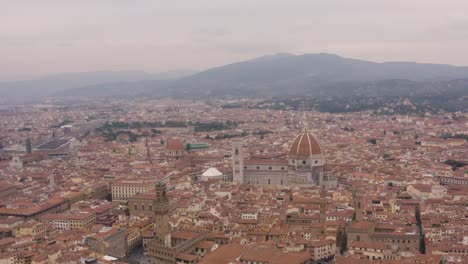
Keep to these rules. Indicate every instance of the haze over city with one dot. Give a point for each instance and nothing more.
(46, 37)
(233, 132)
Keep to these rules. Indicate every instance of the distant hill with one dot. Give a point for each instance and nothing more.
(30, 89)
(301, 75)
(289, 75)
(278, 75)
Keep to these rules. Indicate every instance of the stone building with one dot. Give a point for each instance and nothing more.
(175, 148)
(142, 205)
(7, 190)
(304, 165)
(124, 189)
(30, 228)
(71, 220)
(405, 238)
(108, 241)
(167, 246)
(376, 240)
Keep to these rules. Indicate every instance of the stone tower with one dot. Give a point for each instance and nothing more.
(323, 203)
(52, 181)
(161, 214)
(237, 161)
(357, 198)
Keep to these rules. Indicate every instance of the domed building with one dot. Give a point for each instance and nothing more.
(306, 159)
(212, 174)
(304, 165)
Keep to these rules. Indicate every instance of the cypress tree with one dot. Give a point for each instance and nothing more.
(28, 146)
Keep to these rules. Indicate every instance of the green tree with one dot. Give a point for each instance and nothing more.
(28, 146)
(455, 164)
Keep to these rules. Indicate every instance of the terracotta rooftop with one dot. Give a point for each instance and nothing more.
(175, 144)
(306, 145)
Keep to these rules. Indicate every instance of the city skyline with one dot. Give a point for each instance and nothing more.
(233, 132)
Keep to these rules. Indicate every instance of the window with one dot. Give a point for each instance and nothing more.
(237, 152)
(269, 168)
(258, 167)
(143, 207)
(282, 168)
(304, 162)
(269, 182)
(316, 161)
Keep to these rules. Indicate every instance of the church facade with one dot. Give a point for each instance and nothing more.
(304, 165)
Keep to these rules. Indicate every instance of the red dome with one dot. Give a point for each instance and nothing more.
(175, 144)
(306, 145)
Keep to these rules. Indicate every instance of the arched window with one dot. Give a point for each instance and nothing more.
(269, 182)
(237, 152)
(358, 238)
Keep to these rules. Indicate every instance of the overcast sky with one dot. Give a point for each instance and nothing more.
(40, 37)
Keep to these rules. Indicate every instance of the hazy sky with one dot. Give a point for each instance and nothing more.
(40, 37)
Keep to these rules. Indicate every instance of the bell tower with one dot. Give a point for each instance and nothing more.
(357, 198)
(238, 161)
(323, 203)
(161, 214)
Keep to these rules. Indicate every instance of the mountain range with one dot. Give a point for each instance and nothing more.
(54, 84)
(268, 76)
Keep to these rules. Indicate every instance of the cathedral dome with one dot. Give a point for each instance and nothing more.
(305, 145)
